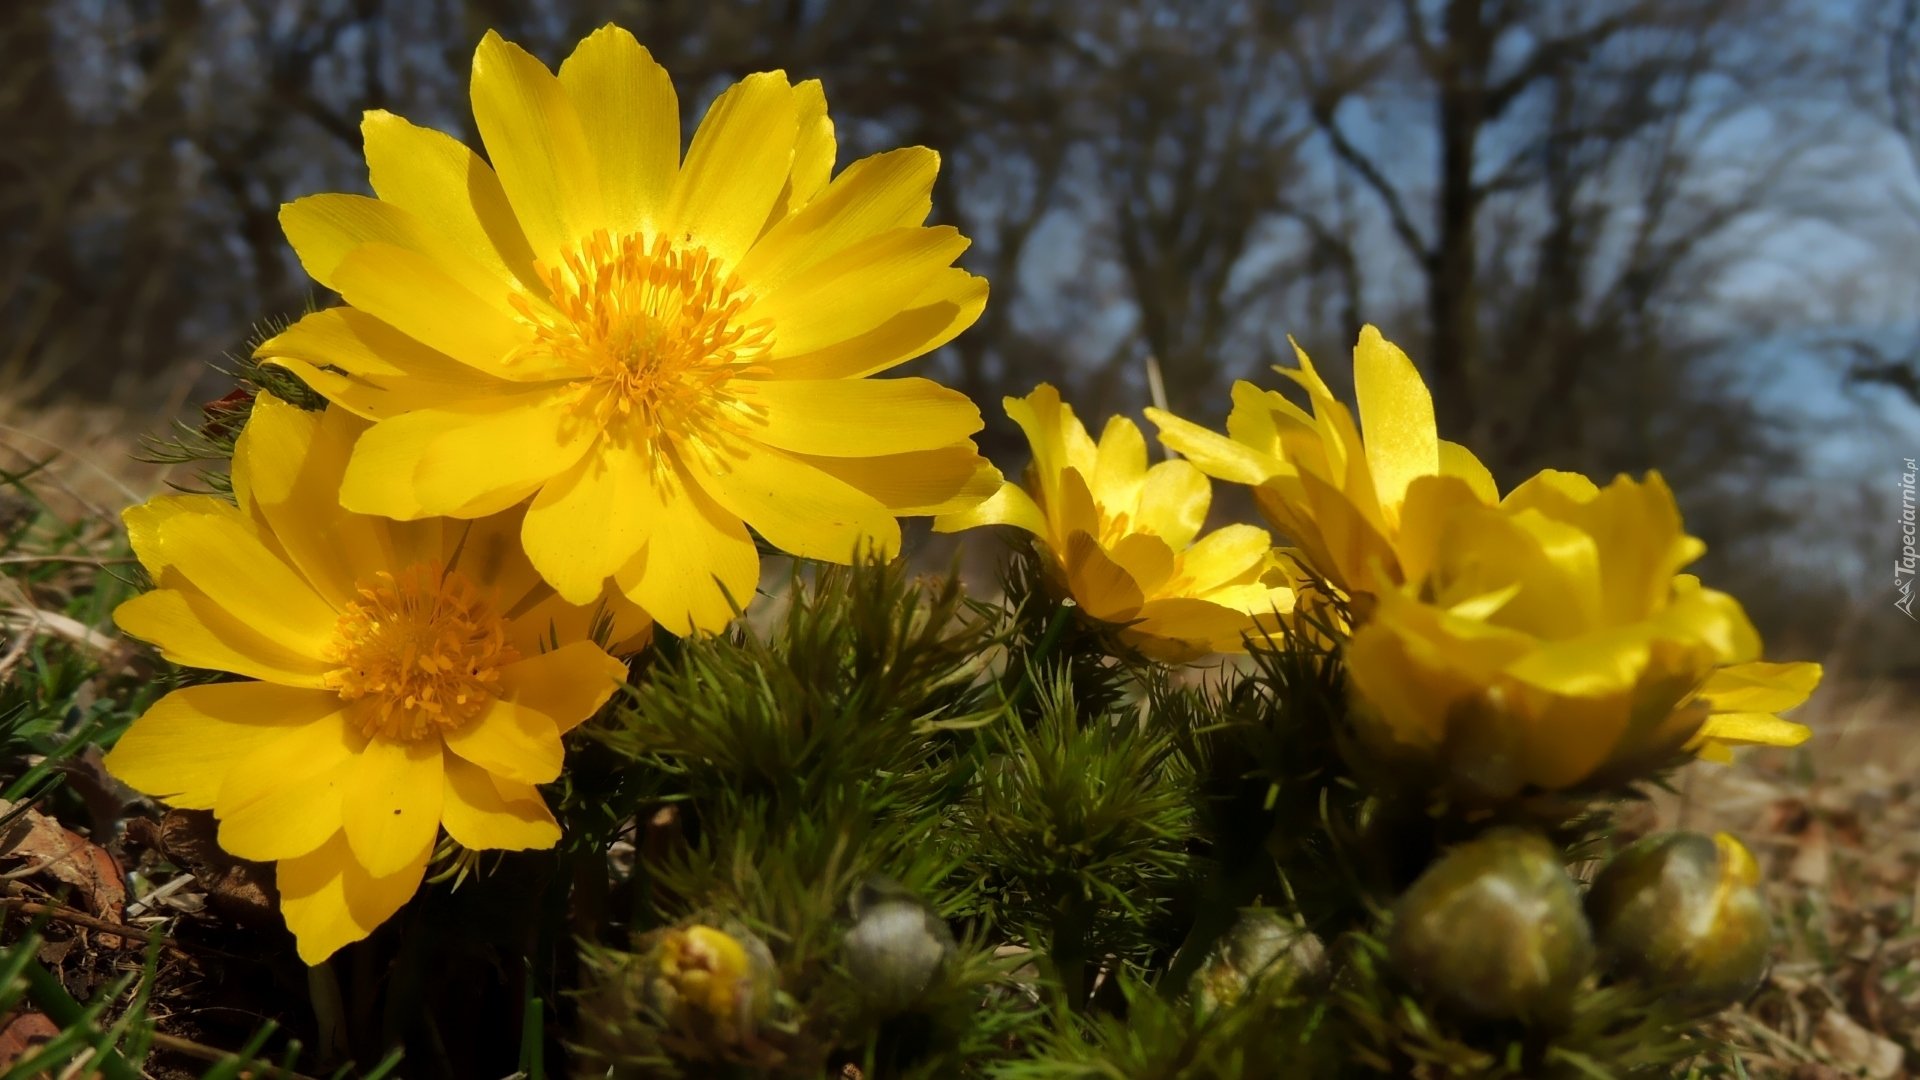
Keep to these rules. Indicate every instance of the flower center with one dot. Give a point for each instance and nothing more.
(657, 331)
(422, 649)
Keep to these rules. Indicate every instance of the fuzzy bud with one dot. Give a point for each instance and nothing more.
(1683, 913)
(1262, 950)
(710, 983)
(1494, 930)
(896, 943)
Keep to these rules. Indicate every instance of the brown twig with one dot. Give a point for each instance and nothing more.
(202, 1051)
(62, 913)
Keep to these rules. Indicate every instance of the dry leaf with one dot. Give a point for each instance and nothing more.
(1855, 1048)
(22, 1034)
(40, 846)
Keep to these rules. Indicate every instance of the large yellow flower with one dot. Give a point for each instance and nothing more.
(1551, 642)
(399, 677)
(1362, 514)
(658, 351)
(1119, 537)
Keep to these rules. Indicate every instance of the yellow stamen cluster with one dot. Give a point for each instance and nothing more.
(422, 650)
(656, 329)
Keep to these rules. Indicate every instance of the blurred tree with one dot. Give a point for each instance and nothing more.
(1569, 211)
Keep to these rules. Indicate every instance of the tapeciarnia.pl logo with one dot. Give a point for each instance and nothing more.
(1903, 567)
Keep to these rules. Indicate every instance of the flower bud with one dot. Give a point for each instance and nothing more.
(895, 945)
(1493, 929)
(1683, 913)
(710, 983)
(1262, 950)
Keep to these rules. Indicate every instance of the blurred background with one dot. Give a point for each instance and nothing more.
(1615, 234)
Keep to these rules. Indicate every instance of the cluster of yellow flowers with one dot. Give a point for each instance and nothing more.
(567, 378)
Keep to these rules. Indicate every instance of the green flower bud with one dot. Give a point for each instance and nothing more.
(1264, 950)
(1493, 929)
(711, 984)
(1683, 913)
(895, 945)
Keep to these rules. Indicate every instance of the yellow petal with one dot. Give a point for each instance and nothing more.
(1146, 558)
(1190, 627)
(699, 566)
(1356, 556)
(193, 631)
(538, 146)
(283, 799)
(874, 195)
(226, 559)
(369, 368)
(145, 520)
(181, 749)
(290, 461)
(1760, 687)
(1425, 518)
(802, 510)
(736, 166)
(489, 550)
(589, 521)
(1603, 664)
(858, 417)
(1173, 502)
(611, 618)
(1058, 438)
(1396, 417)
(1007, 506)
(483, 812)
(1458, 461)
(1211, 452)
(1750, 729)
(449, 191)
(630, 116)
(942, 481)
(392, 803)
(943, 309)
(1408, 701)
(512, 741)
(1119, 466)
(1070, 507)
(1224, 555)
(467, 460)
(1259, 415)
(326, 229)
(329, 900)
(1571, 737)
(1099, 584)
(1552, 492)
(415, 295)
(856, 291)
(814, 147)
(567, 685)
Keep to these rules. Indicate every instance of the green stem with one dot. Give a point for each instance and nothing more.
(1056, 627)
(1068, 949)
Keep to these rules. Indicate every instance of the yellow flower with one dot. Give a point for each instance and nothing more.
(1361, 514)
(706, 979)
(657, 351)
(1550, 642)
(397, 677)
(1119, 537)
